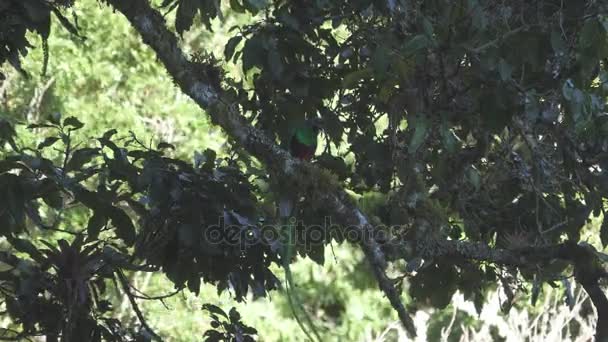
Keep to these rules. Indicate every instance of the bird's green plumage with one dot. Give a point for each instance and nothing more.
(303, 140)
(306, 135)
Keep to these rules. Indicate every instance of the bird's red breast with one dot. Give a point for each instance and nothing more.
(302, 151)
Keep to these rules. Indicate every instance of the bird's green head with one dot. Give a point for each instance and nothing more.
(307, 133)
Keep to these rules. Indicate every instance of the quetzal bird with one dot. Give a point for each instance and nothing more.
(303, 142)
(302, 145)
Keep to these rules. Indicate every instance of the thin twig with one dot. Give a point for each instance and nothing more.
(127, 289)
(496, 41)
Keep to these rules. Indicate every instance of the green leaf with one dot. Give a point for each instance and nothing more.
(257, 4)
(185, 15)
(479, 18)
(230, 47)
(275, 63)
(72, 28)
(164, 145)
(124, 227)
(604, 231)
(420, 129)
(194, 284)
(81, 157)
(27, 247)
(532, 106)
(474, 177)
(415, 44)
(254, 53)
(166, 3)
(53, 199)
(209, 162)
(352, 79)
(4, 267)
(74, 122)
(568, 89)
(96, 222)
(536, 288)
(108, 134)
(335, 164)
(505, 70)
(40, 125)
(316, 253)
(7, 132)
(590, 35)
(214, 309)
(332, 126)
(568, 295)
(236, 6)
(449, 138)
(49, 141)
(235, 316)
(380, 62)
(55, 118)
(427, 26)
(39, 14)
(89, 199)
(557, 42)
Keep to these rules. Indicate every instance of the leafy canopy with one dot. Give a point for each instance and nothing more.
(480, 123)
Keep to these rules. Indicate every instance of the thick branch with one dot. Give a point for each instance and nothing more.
(222, 108)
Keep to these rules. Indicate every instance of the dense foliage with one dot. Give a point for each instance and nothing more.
(475, 131)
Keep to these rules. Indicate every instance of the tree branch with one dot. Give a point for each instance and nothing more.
(222, 107)
(127, 288)
(588, 263)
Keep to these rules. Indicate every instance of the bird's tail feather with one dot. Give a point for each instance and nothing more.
(285, 206)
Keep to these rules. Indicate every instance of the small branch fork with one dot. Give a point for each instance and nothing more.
(124, 282)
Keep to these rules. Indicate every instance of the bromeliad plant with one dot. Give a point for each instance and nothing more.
(59, 292)
(173, 215)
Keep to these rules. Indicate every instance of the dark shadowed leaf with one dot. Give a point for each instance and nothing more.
(185, 15)
(604, 230)
(213, 336)
(53, 199)
(41, 125)
(96, 222)
(231, 46)
(27, 247)
(416, 44)
(81, 157)
(214, 309)
(124, 227)
(164, 145)
(49, 141)
(108, 134)
(254, 53)
(420, 130)
(73, 122)
(256, 5)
